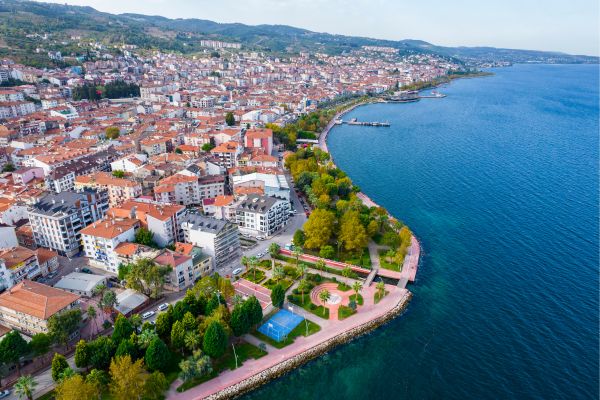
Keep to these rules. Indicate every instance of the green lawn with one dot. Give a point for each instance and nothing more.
(286, 283)
(360, 300)
(255, 275)
(244, 351)
(362, 260)
(266, 264)
(308, 305)
(344, 312)
(386, 264)
(343, 287)
(300, 330)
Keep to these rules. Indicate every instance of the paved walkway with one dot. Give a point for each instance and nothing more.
(330, 329)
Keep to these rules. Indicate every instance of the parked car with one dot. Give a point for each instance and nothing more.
(86, 271)
(148, 314)
(4, 393)
(237, 271)
(163, 306)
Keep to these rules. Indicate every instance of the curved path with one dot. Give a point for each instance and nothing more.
(332, 287)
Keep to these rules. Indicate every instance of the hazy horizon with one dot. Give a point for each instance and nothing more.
(556, 26)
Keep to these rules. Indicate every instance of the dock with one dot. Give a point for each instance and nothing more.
(354, 121)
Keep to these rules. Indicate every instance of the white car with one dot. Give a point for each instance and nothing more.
(237, 271)
(4, 393)
(163, 306)
(147, 314)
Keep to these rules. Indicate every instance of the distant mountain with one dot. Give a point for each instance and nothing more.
(18, 19)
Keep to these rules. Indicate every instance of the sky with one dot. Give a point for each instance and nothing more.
(555, 25)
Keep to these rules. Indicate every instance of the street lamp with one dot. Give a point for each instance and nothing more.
(236, 357)
(291, 308)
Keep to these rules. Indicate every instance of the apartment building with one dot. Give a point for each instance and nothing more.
(16, 264)
(163, 220)
(260, 139)
(101, 238)
(119, 189)
(57, 219)
(217, 238)
(227, 153)
(262, 215)
(178, 189)
(28, 306)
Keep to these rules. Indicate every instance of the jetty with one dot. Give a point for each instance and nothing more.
(354, 121)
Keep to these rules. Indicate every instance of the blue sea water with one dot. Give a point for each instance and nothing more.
(499, 180)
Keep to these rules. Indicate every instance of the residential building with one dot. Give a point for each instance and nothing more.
(81, 283)
(217, 238)
(262, 215)
(16, 264)
(260, 139)
(28, 306)
(182, 269)
(57, 219)
(119, 189)
(202, 262)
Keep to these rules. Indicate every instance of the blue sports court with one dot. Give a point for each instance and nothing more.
(280, 325)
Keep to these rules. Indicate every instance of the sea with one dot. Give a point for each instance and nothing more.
(499, 181)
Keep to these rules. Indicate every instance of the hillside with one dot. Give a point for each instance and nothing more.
(22, 21)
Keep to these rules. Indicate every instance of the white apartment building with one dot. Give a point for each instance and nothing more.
(217, 238)
(102, 237)
(262, 215)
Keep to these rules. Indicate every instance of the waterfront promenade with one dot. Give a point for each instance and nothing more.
(329, 329)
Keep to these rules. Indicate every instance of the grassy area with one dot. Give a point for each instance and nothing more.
(362, 260)
(377, 297)
(266, 264)
(286, 283)
(383, 261)
(308, 305)
(343, 287)
(344, 312)
(244, 351)
(360, 300)
(300, 330)
(255, 275)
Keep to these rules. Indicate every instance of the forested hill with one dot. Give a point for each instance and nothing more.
(22, 21)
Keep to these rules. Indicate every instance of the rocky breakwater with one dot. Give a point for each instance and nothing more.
(286, 366)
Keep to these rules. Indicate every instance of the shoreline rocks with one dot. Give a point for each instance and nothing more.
(286, 366)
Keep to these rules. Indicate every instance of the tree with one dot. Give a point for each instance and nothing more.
(128, 379)
(278, 295)
(230, 119)
(163, 325)
(102, 350)
(118, 174)
(254, 310)
(82, 354)
(320, 264)
(91, 312)
(122, 330)
(146, 337)
(147, 277)
(253, 263)
(157, 355)
(372, 228)
(299, 238)
(112, 132)
(303, 287)
(136, 321)
(59, 365)
(319, 228)
(352, 231)
(207, 147)
(356, 286)
(239, 322)
(109, 301)
(97, 378)
(192, 340)
(178, 151)
(178, 336)
(278, 272)
(380, 286)
(25, 387)
(274, 249)
(40, 344)
(215, 340)
(195, 367)
(324, 296)
(63, 324)
(76, 388)
(391, 239)
(12, 348)
(127, 347)
(8, 167)
(189, 322)
(327, 252)
(145, 237)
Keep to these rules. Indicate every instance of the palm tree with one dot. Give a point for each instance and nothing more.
(274, 249)
(146, 337)
(356, 287)
(253, 262)
(321, 264)
(237, 299)
(278, 273)
(296, 254)
(302, 286)
(25, 387)
(192, 341)
(245, 260)
(380, 289)
(91, 312)
(324, 296)
(302, 269)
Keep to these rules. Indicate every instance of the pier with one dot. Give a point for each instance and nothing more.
(354, 121)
